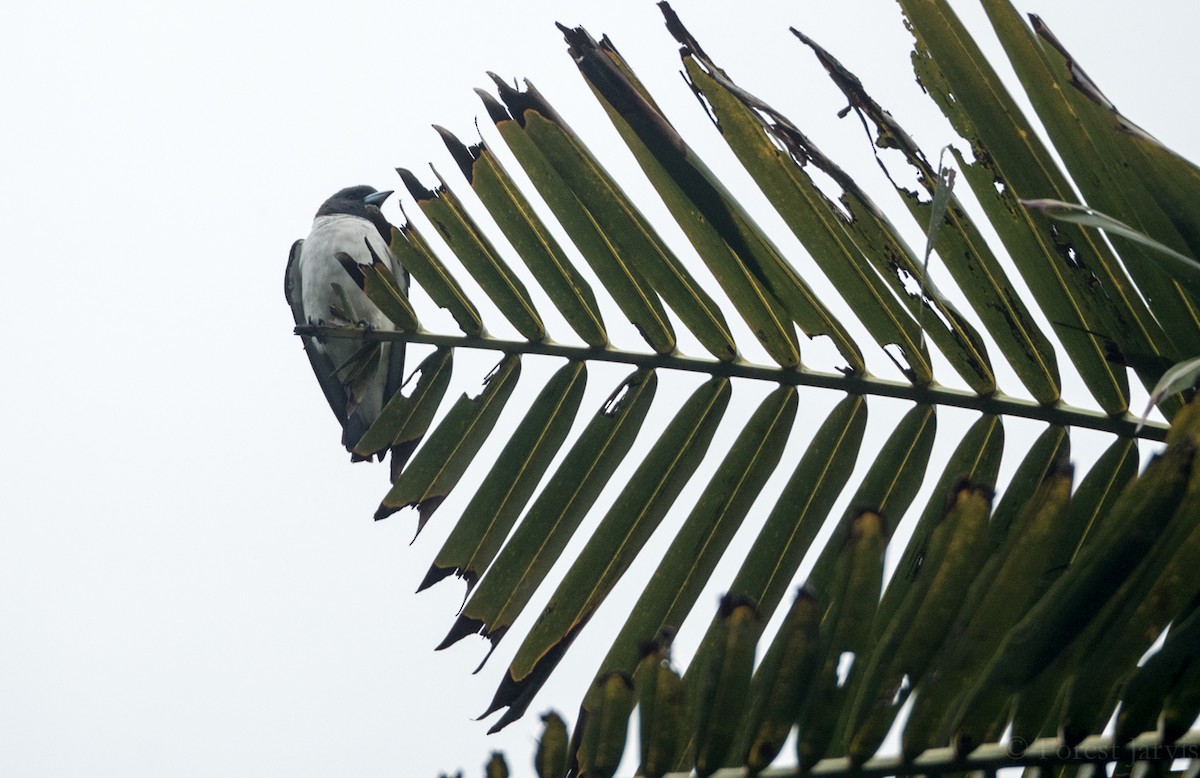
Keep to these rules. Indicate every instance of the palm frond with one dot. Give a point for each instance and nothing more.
(1032, 613)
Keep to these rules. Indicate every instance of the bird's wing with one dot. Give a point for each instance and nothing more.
(393, 352)
(396, 349)
(291, 283)
(322, 365)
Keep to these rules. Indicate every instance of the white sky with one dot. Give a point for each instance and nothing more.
(190, 580)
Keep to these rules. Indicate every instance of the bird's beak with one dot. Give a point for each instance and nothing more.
(378, 197)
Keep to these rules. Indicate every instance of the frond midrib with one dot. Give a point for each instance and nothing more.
(999, 404)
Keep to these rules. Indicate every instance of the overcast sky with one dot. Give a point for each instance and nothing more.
(190, 580)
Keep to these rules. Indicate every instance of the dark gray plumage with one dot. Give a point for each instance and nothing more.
(357, 378)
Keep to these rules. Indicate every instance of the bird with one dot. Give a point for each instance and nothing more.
(357, 377)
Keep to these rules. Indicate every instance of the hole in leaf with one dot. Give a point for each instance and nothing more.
(845, 664)
(901, 173)
(912, 287)
(613, 404)
(830, 188)
(896, 354)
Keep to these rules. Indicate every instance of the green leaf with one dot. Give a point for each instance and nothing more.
(626, 230)
(1037, 617)
(688, 564)
(906, 647)
(413, 252)
(888, 488)
(1106, 169)
(1182, 268)
(883, 497)
(610, 550)
(781, 683)
(1096, 322)
(854, 586)
(554, 516)
(1050, 452)
(1178, 378)
(1000, 594)
(404, 421)
(788, 533)
(542, 254)
(477, 254)
(380, 286)
(761, 284)
(1173, 180)
(726, 682)
(1157, 590)
(551, 758)
(553, 157)
(815, 221)
(500, 498)
(443, 459)
(803, 505)
(605, 731)
(663, 715)
(1143, 696)
(961, 247)
(976, 459)
(875, 240)
(1094, 497)
(496, 766)
(1181, 707)
(1076, 596)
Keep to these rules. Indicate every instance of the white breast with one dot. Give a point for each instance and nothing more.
(320, 270)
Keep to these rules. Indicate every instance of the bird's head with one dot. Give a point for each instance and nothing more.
(353, 200)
